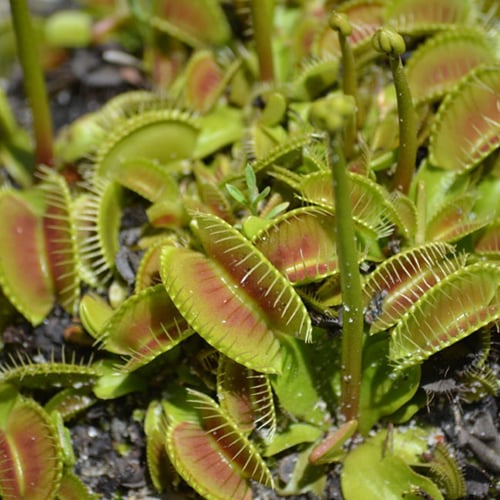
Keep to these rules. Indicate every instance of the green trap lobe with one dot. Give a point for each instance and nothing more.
(60, 241)
(196, 22)
(163, 135)
(29, 442)
(24, 270)
(453, 309)
(245, 396)
(423, 16)
(235, 447)
(148, 273)
(200, 462)
(255, 276)
(442, 61)
(147, 178)
(203, 80)
(219, 310)
(401, 280)
(301, 245)
(370, 202)
(466, 128)
(144, 326)
(72, 488)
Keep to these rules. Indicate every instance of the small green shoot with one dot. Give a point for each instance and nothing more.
(253, 201)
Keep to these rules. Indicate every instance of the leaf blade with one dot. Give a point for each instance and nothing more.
(218, 310)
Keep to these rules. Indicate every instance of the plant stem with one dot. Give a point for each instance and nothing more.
(331, 115)
(407, 128)
(340, 23)
(262, 20)
(34, 82)
(350, 284)
(386, 40)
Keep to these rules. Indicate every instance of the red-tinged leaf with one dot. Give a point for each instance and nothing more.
(455, 219)
(365, 17)
(219, 309)
(246, 396)
(203, 81)
(489, 241)
(423, 16)
(255, 276)
(146, 325)
(72, 488)
(24, 270)
(237, 449)
(233, 393)
(466, 127)
(70, 402)
(60, 240)
(451, 310)
(301, 244)
(402, 280)
(148, 273)
(195, 22)
(146, 178)
(170, 213)
(330, 448)
(164, 135)
(370, 202)
(437, 65)
(30, 454)
(198, 459)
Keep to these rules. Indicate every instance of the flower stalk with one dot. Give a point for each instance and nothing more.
(262, 20)
(340, 23)
(331, 114)
(34, 82)
(391, 43)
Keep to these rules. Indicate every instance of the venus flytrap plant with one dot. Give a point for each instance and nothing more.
(251, 314)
